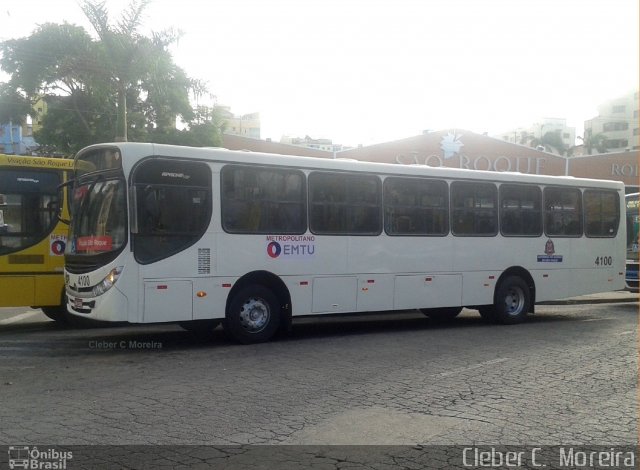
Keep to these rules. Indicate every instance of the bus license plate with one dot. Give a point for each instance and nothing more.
(77, 303)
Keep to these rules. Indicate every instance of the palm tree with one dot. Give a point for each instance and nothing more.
(138, 63)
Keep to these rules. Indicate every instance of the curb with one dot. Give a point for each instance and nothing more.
(588, 301)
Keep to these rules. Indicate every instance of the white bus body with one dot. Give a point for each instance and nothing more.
(175, 234)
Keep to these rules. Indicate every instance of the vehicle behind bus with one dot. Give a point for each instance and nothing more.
(633, 223)
(32, 238)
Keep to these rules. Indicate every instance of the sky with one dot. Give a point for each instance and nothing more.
(370, 71)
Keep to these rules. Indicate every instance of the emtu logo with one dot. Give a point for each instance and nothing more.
(451, 145)
(274, 249)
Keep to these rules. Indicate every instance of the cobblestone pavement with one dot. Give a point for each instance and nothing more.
(568, 376)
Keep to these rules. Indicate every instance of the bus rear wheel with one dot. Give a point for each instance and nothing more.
(442, 314)
(512, 301)
(253, 315)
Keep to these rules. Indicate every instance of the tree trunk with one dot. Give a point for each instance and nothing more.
(121, 121)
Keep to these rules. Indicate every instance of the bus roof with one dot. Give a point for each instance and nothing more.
(138, 151)
(36, 162)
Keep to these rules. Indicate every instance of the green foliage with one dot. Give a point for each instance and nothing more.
(594, 141)
(553, 139)
(13, 106)
(121, 84)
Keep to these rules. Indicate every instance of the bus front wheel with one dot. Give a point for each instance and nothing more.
(59, 313)
(253, 315)
(512, 301)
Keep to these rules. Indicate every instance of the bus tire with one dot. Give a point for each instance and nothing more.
(442, 314)
(512, 301)
(253, 315)
(58, 313)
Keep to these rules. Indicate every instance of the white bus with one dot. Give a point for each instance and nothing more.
(203, 236)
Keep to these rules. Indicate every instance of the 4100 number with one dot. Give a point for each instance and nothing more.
(604, 261)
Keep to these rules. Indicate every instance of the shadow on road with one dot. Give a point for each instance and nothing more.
(51, 338)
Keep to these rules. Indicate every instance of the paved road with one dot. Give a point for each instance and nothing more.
(567, 376)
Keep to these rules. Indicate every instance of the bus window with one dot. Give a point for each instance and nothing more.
(30, 207)
(474, 207)
(263, 200)
(344, 204)
(601, 213)
(562, 212)
(174, 207)
(520, 210)
(415, 206)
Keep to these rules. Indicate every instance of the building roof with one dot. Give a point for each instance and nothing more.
(236, 142)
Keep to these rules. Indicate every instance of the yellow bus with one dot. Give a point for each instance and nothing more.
(32, 236)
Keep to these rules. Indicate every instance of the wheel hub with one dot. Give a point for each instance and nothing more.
(514, 301)
(254, 315)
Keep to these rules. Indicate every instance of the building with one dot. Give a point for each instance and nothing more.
(615, 128)
(533, 135)
(16, 139)
(236, 142)
(307, 142)
(40, 109)
(456, 148)
(245, 125)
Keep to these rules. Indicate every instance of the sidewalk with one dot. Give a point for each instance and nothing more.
(601, 298)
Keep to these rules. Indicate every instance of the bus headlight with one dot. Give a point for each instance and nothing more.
(108, 282)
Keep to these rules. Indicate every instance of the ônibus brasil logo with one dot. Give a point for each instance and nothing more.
(290, 246)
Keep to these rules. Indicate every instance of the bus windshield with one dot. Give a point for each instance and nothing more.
(29, 205)
(98, 217)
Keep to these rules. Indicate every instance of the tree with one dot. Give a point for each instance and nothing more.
(554, 140)
(13, 106)
(120, 85)
(597, 141)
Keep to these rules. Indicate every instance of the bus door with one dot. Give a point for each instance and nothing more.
(172, 212)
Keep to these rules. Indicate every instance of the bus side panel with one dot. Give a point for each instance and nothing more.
(600, 262)
(212, 301)
(427, 291)
(48, 290)
(38, 271)
(17, 291)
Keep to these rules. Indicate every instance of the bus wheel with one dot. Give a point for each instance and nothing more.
(442, 314)
(58, 313)
(512, 301)
(253, 316)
